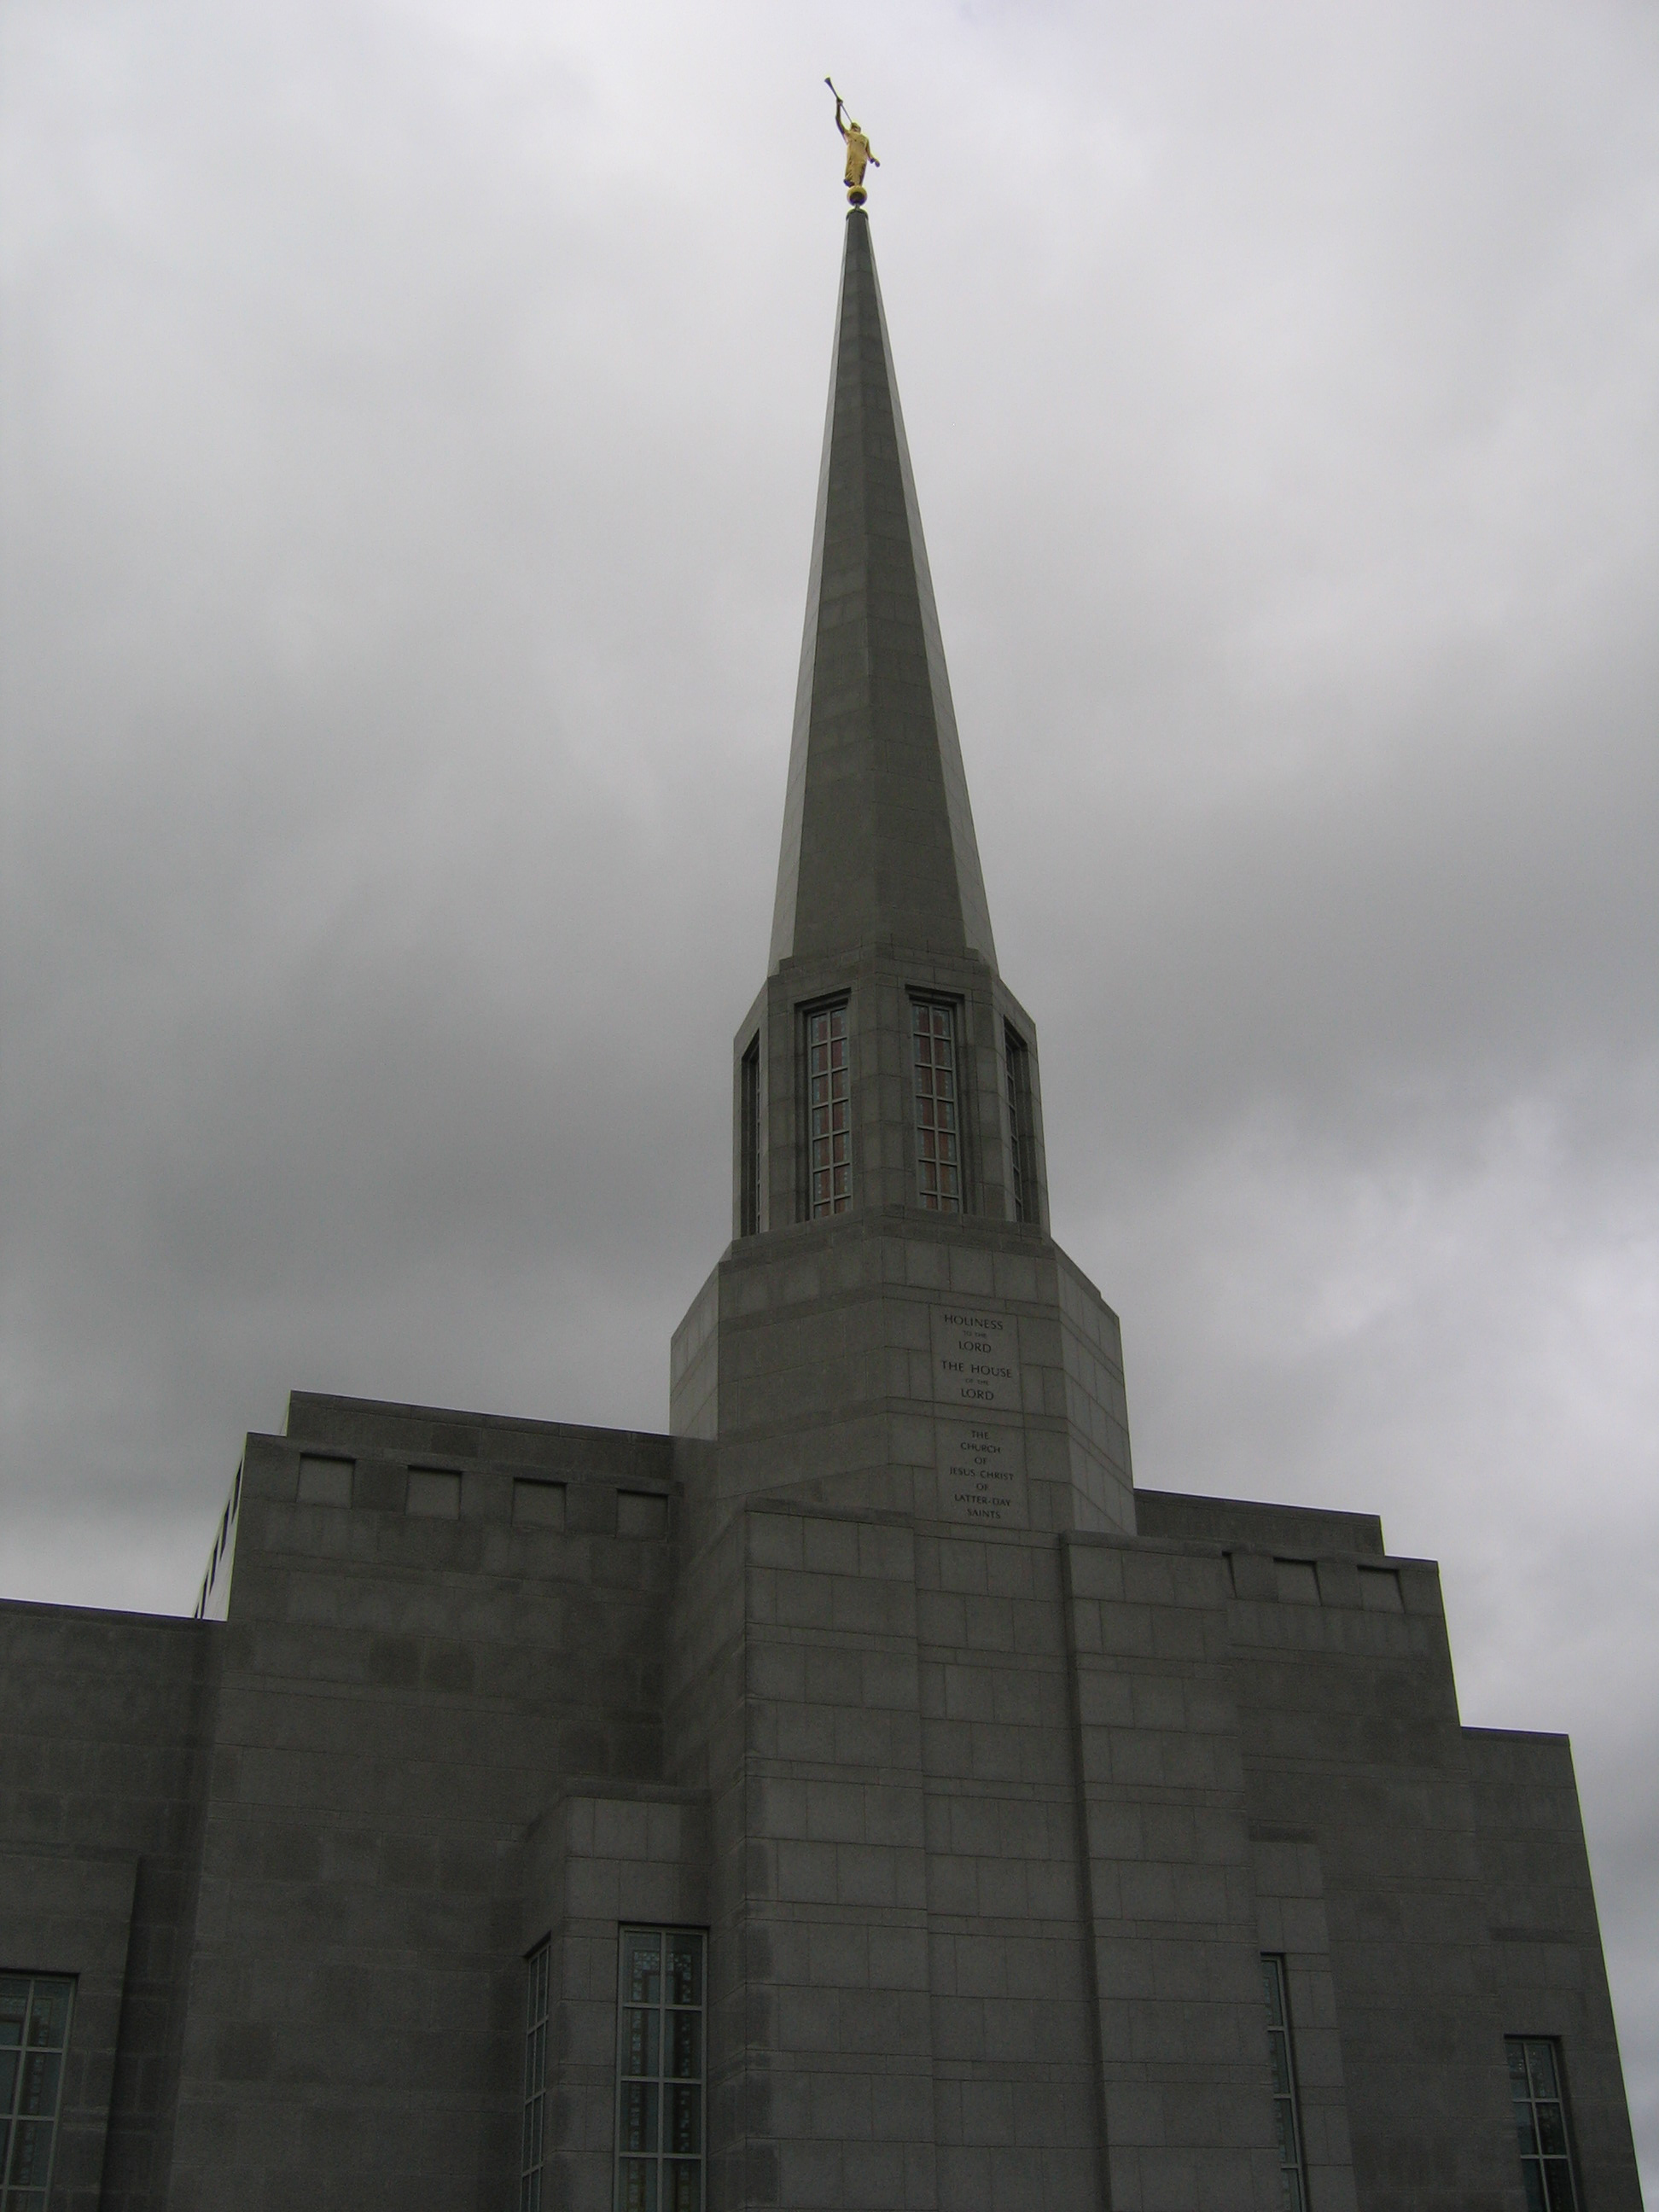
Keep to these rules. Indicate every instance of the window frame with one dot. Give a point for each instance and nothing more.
(12, 2117)
(748, 1189)
(814, 1011)
(658, 2076)
(1017, 1091)
(1286, 2096)
(532, 2140)
(1563, 2161)
(934, 1003)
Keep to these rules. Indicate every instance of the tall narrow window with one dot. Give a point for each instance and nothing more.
(1539, 2095)
(535, 2079)
(659, 2071)
(748, 1141)
(1017, 1062)
(938, 1138)
(829, 1164)
(34, 2022)
(1292, 2174)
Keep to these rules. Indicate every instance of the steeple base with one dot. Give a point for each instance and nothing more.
(957, 1370)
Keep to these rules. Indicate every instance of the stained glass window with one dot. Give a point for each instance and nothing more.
(532, 2154)
(939, 1138)
(660, 2016)
(829, 1167)
(748, 1141)
(1281, 2060)
(34, 2024)
(1017, 1063)
(1539, 2096)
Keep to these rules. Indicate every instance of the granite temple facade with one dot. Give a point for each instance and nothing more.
(861, 1796)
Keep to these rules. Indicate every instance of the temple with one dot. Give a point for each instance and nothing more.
(861, 1796)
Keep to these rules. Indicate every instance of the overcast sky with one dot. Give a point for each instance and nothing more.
(411, 422)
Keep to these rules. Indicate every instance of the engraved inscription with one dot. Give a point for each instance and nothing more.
(981, 1473)
(976, 1358)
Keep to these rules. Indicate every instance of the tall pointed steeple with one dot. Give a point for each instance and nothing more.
(878, 840)
(891, 1324)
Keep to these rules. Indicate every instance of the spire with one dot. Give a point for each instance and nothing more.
(878, 833)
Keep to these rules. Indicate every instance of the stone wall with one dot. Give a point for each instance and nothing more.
(818, 1357)
(104, 1719)
(989, 1826)
(435, 1626)
(1547, 1965)
(1010, 1819)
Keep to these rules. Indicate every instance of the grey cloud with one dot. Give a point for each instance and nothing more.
(412, 432)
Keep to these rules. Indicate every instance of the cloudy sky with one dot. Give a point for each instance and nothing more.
(411, 416)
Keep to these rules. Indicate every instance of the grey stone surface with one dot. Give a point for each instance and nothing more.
(407, 1681)
(1292, 1924)
(605, 1853)
(878, 834)
(105, 1724)
(1546, 1961)
(1289, 1531)
(813, 1355)
(74, 1909)
(988, 1826)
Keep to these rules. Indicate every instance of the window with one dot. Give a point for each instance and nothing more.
(1539, 2095)
(1292, 2175)
(659, 2071)
(34, 2019)
(535, 2078)
(939, 1141)
(829, 1163)
(748, 1141)
(1017, 1064)
(224, 1543)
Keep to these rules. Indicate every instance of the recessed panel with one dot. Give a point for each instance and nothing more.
(981, 1473)
(641, 1513)
(434, 1494)
(976, 1358)
(537, 1504)
(324, 1481)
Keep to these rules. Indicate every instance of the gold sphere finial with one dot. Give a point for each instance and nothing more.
(858, 156)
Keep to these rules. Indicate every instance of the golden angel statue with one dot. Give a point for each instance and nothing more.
(859, 155)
